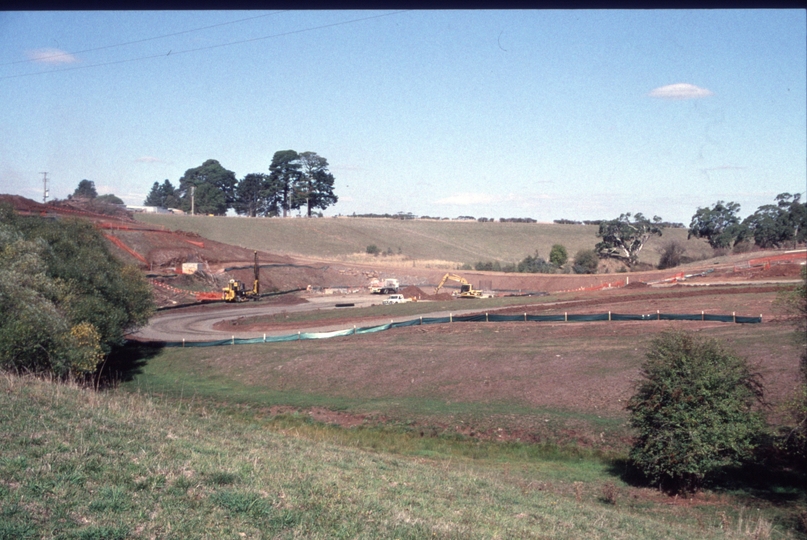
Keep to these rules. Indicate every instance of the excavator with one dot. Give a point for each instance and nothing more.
(236, 290)
(466, 289)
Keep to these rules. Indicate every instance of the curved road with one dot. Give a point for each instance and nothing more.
(198, 325)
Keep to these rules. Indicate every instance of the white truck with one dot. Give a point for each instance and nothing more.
(395, 299)
(388, 286)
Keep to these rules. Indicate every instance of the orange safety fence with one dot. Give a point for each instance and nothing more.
(199, 295)
(766, 261)
(673, 279)
(125, 248)
(616, 284)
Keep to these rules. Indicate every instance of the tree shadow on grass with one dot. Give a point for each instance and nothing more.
(126, 361)
(779, 481)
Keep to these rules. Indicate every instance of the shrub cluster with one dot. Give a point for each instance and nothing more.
(65, 300)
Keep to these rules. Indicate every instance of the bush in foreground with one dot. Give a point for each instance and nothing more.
(794, 305)
(695, 411)
(66, 301)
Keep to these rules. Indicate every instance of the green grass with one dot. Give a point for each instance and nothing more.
(80, 464)
(424, 240)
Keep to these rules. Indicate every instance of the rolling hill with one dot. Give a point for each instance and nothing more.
(457, 242)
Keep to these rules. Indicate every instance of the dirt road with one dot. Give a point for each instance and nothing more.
(199, 324)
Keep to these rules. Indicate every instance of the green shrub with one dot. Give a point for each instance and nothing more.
(66, 300)
(535, 265)
(558, 255)
(372, 249)
(794, 304)
(586, 262)
(694, 411)
(489, 266)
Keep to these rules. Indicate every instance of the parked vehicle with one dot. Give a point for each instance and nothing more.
(388, 286)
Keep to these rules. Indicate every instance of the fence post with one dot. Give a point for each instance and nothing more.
(354, 329)
(658, 315)
(299, 337)
(525, 317)
(421, 321)
(565, 317)
(450, 319)
(183, 343)
(264, 338)
(233, 342)
(703, 317)
(609, 315)
(734, 316)
(486, 318)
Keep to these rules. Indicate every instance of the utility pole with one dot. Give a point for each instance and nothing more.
(193, 199)
(44, 187)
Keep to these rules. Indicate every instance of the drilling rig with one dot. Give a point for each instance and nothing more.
(236, 290)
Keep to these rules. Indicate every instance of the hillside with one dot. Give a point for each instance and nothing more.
(79, 464)
(456, 242)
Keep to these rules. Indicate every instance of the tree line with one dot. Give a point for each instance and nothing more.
(623, 238)
(295, 181)
(771, 226)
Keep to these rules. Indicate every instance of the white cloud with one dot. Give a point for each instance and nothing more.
(149, 159)
(680, 91)
(51, 56)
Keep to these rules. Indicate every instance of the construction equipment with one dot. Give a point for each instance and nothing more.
(236, 290)
(388, 286)
(466, 289)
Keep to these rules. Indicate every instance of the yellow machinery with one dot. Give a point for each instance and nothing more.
(466, 289)
(236, 291)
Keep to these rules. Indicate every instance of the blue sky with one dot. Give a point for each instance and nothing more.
(542, 114)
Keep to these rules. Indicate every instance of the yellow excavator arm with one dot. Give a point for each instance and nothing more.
(451, 277)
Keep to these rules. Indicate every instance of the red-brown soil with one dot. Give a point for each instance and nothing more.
(576, 372)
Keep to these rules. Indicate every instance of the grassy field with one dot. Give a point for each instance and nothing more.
(79, 464)
(456, 241)
(467, 430)
(470, 430)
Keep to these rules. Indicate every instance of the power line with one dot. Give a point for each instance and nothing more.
(59, 55)
(174, 53)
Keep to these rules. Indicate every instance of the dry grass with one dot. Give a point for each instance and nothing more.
(457, 242)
